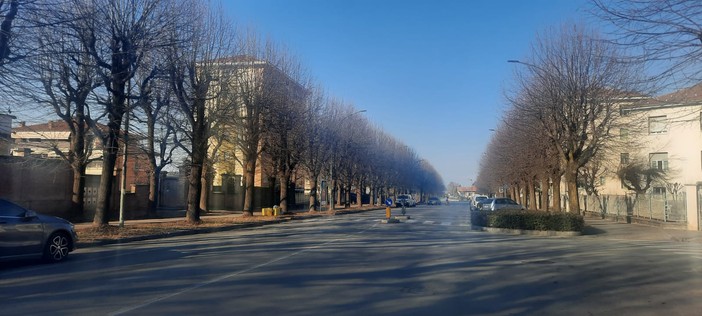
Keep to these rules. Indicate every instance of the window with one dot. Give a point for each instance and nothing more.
(659, 161)
(657, 124)
(658, 190)
(623, 134)
(624, 158)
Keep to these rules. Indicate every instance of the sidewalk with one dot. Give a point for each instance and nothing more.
(608, 229)
(170, 216)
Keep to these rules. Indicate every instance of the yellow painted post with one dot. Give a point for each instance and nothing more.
(387, 212)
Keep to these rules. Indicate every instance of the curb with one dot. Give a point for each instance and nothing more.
(549, 233)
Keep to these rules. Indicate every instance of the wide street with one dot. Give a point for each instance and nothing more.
(431, 264)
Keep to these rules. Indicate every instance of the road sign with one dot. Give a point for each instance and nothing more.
(388, 202)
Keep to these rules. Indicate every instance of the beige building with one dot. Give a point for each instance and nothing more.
(246, 75)
(44, 139)
(666, 133)
(5, 134)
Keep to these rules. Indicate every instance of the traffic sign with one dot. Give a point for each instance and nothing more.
(388, 202)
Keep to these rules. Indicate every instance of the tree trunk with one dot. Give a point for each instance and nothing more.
(556, 190)
(359, 200)
(206, 187)
(250, 170)
(284, 185)
(194, 190)
(544, 193)
(313, 194)
(571, 178)
(532, 196)
(154, 177)
(78, 195)
(104, 198)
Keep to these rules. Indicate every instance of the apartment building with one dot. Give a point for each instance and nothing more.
(666, 133)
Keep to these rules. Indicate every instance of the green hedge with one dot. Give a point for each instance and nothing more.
(528, 220)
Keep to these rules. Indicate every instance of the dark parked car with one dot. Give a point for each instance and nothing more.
(26, 234)
(434, 201)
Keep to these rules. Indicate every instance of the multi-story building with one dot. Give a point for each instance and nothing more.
(5, 131)
(46, 140)
(249, 76)
(665, 133)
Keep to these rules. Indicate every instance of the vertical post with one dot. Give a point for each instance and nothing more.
(123, 185)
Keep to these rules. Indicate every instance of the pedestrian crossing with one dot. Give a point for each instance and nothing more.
(462, 222)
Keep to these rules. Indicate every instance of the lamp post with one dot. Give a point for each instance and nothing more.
(332, 187)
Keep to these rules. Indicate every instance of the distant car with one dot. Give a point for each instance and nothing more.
(26, 234)
(484, 204)
(434, 201)
(477, 199)
(406, 200)
(505, 204)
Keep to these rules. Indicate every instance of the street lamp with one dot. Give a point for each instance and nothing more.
(332, 187)
(515, 61)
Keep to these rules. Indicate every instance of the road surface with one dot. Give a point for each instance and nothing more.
(431, 264)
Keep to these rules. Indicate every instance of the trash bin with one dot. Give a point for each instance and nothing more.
(276, 210)
(267, 211)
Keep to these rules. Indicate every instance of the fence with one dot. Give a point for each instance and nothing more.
(662, 207)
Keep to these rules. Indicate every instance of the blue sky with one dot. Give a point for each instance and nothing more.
(432, 73)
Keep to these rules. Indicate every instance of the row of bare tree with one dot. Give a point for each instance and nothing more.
(179, 77)
(567, 114)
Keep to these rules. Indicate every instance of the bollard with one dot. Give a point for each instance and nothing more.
(387, 212)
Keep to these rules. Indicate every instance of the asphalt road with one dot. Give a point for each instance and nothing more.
(431, 264)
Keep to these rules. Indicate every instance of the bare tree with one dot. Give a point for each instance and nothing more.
(199, 72)
(62, 77)
(574, 84)
(667, 33)
(117, 34)
(315, 143)
(286, 121)
(155, 100)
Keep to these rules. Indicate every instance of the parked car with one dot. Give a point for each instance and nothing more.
(405, 199)
(434, 201)
(477, 199)
(505, 204)
(26, 234)
(484, 204)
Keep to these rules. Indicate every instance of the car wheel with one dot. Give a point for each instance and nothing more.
(57, 247)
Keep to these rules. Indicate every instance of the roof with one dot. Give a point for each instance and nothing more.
(686, 95)
(467, 189)
(50, 126)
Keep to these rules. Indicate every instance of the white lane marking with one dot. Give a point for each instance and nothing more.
(428, 222)
(446, 223)
(227, 276)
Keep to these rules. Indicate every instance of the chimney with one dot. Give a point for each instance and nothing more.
(23, 124)
(51, 124)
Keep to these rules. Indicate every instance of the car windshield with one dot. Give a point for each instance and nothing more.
(480, 198)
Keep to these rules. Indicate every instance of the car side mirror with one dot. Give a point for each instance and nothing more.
(30, 214)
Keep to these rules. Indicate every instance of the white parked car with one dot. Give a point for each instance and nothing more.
(502, 204)
(475, 200)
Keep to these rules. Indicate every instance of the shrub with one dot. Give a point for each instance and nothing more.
(528, 220)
